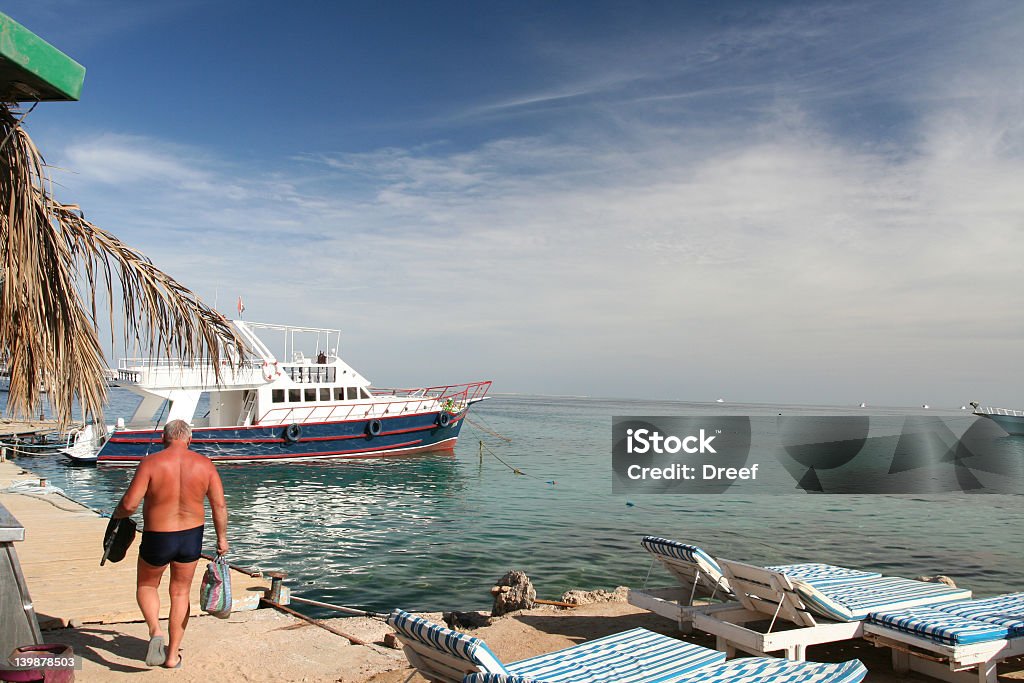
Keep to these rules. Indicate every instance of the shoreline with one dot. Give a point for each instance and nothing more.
(268, 645)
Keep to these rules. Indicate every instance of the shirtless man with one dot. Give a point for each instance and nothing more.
(173, 484)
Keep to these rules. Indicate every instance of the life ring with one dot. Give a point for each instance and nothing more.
(292, 433)
(444, 419)
(374, 427)
(270, 371)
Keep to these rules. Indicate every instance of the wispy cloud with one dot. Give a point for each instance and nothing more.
(772, 255)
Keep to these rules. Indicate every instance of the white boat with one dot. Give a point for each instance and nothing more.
(307, 404)
(1012, 421)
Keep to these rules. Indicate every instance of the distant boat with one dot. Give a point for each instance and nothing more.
(863, 405)
(720, 400)
(1012, 421)
(312, 406)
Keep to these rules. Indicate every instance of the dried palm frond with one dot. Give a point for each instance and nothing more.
(49, 332)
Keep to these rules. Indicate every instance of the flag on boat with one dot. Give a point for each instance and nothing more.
(241, 307)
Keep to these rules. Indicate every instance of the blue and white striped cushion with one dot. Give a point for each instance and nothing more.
(853, 601)
(939, 626)
(818, 574)
(467, 648)
(1003, 610)
(683, 551)
(634, 656)
(774, 670)
(760, 670)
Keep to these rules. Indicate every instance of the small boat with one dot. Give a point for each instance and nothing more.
(267, 409)
(1012, 421)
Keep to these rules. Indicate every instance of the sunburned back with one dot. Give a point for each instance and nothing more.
(178, 482)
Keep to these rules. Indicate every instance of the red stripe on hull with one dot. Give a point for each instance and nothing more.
(409, 448)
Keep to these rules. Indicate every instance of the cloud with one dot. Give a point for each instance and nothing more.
(774, 255)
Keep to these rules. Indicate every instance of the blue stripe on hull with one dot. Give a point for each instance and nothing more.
(317, 441)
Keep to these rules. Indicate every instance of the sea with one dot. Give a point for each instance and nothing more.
(529, 488)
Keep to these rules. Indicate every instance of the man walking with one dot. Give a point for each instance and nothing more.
(173, 484)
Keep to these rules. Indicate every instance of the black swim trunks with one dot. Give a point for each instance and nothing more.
(161, 547)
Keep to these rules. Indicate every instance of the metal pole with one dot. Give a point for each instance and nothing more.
(338, 608)
(352, 639)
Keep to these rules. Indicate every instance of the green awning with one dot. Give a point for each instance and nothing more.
(31, 68)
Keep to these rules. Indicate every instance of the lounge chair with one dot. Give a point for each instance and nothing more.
(802, 605)
(634, 656)
(965, 635)
(701, 579)
(801, 613)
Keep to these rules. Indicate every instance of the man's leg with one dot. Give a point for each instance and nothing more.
(147, 595)
(180, 588)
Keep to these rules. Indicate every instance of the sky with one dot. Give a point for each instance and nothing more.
(813, 202)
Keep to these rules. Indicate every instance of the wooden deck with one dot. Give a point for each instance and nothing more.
(60, 559)
(24, 429)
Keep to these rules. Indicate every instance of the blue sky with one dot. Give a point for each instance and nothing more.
(776, 202)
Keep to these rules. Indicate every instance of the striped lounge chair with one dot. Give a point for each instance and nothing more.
(634, 656)
(817, 612)
(970, 638)
(702, 582)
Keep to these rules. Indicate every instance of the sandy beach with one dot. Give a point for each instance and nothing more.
(265, 645)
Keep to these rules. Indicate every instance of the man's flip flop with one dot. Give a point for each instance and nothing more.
(156, 654)
(178, 665)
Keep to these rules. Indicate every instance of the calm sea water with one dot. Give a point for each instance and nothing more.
(434, 532)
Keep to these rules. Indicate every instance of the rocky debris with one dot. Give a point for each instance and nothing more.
(578, 597)
(465, 621)
(513, 592)
(941, 578)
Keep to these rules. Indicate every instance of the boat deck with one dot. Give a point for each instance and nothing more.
(60, 559)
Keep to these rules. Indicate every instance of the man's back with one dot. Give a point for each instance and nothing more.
(178, 482)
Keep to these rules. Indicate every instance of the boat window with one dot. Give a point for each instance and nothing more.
(352, 394)
(364, 393)
(339, 393)
(310, 394)
(325, 394)
(294, 395)
(277, 395)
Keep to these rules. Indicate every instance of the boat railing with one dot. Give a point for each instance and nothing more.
(132, 369)
(311, 374)
(452, 399)
(1000, 411)
(468, 393)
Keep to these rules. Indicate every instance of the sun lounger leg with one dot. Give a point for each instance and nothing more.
(685, 624)
(987, 672)
(900, 662)
(799, 653)
(723, 645)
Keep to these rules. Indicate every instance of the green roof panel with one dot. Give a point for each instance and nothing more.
(31, 68)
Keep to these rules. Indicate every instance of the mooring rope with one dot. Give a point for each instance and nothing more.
(487, 429)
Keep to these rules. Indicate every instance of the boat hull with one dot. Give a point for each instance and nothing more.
(365, 438)
(1011, 424)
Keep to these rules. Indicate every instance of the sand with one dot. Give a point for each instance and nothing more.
(265, 645)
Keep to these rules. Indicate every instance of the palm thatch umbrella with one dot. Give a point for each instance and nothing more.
(53, 263)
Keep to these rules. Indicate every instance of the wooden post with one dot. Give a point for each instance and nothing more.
(481, 451)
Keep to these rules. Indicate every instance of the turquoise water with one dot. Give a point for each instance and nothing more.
(434, 532)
